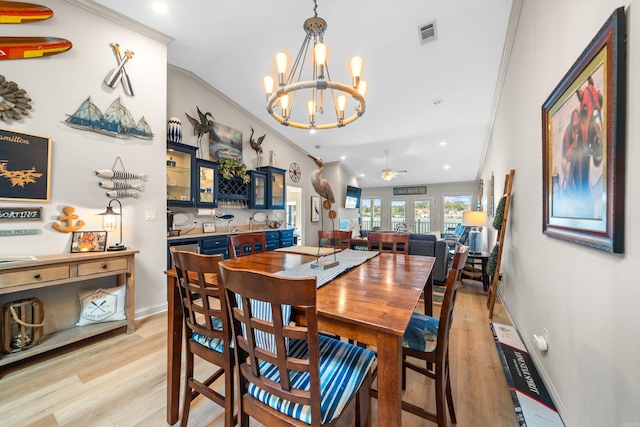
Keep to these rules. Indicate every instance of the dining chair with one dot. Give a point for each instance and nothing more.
(397, 243)
(338, 239)
(288, 374)
(427, 338)
(246, 244)
(208, 330)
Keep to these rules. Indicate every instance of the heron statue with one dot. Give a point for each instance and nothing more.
(257, 146)
(321, 185)
(200, 127)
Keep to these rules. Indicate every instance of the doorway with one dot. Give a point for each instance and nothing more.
(294, 213)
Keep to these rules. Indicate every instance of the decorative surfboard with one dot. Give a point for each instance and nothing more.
(12, 12)
(32, 47)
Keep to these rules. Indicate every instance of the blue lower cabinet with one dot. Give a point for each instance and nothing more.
(272, 238)
(285, 238)
(215, 245)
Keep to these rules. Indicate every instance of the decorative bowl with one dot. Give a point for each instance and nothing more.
(273, 224)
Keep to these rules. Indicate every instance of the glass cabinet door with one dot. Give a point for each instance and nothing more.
(277, 189)
(258, 190)
(207, 185)
(180, 163)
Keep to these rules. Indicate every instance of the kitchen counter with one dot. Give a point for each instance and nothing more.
(221, 230)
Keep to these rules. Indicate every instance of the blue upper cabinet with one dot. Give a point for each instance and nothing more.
(207, 183)
(258, 190)
(276, 187)
(181, 164)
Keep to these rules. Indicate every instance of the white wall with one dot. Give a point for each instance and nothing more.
(586, 298)
(57, 85)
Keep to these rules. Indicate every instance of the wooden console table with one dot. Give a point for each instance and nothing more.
(58, 270)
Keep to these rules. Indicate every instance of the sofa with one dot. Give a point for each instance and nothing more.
(429, 245)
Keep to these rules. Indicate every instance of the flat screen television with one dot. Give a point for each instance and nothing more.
(352, 198)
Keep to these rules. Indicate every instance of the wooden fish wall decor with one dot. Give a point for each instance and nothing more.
(119, 189)
(116, 121)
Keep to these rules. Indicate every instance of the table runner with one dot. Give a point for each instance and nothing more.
(347, 259)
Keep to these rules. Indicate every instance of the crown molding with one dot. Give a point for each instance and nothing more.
(121, 19)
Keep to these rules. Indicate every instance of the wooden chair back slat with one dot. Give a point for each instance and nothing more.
(338, 239)
(397, 243)
(246, 244)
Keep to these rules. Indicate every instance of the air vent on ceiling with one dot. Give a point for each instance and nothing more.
(428, 33)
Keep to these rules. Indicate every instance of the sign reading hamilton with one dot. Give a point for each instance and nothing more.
(409, 191)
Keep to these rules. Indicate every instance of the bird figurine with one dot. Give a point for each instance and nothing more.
(257, 146)
(200, 127)
(321, 185)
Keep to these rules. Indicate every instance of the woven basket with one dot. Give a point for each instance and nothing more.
(22, 324)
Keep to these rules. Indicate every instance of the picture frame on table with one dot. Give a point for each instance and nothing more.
(88, 241)
(583, 145)
(25, 166)
(315, 208)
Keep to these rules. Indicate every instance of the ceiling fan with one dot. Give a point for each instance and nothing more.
(387, 174)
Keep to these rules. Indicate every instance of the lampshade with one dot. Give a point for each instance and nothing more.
(474, 218)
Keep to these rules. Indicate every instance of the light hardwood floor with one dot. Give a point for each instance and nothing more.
(119, 380)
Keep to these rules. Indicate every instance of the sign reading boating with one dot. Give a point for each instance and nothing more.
(409, 191)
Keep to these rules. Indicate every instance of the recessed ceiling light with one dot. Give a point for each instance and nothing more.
(447, 166)
(342, 157)
(160, 7)
(361, 174)
(443, 143)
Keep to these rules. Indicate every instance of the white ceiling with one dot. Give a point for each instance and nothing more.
(232, 45)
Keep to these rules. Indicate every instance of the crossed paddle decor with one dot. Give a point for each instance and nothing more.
(119, 73)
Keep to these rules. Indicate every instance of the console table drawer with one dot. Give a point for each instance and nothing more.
(36, 275)
(107, 266)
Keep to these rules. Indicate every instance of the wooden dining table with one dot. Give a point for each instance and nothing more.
(371, 303)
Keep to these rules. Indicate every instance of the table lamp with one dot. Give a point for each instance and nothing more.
(109, 224)
(474, 219)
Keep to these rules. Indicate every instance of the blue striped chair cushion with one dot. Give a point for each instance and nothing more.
(262, 310)
(342, 369)
(421, 333)
(215, 344)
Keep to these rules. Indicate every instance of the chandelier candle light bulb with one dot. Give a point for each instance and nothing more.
(317, 84)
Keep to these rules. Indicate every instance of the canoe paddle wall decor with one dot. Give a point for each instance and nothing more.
(13, 12)
(14, 102)
(117, 121)
(119, 74)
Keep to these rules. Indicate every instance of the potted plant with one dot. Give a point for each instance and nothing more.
(229, 168)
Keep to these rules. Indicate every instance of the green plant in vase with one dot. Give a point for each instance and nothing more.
(229, 168)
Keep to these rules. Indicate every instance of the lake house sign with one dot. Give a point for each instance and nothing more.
(409, 191)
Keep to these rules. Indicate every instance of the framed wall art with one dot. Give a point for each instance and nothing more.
(89, 241)
(315, 208)
(224, 143)
(25, 166)
(583, 137)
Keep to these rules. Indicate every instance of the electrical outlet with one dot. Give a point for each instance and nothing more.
(278, 215)
(150, 216)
